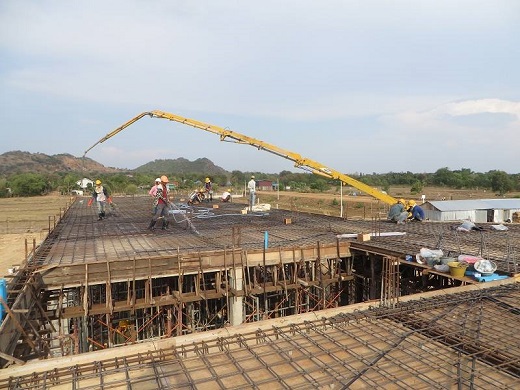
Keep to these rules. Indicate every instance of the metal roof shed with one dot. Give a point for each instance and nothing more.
(476, 210)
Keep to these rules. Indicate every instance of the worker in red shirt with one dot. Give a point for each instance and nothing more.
(161, 203)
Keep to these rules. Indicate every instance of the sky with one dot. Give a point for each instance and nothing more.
(359, 86)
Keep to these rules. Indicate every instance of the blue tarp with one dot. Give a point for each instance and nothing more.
(487, 278)
(3, 294)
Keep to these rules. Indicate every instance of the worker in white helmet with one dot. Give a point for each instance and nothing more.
(226, 196)
(251, 186)
(153, 192)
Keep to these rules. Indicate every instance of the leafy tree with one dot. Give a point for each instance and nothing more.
(28, 184)
(417, 187)
(442, 177)
(131, 189)
(319, 185)
(68, 182)
(4, 192)
(500, 182)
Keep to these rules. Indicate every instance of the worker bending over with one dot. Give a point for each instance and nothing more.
(196, 196)
(226, 196)
(397, 212)
(416, 213)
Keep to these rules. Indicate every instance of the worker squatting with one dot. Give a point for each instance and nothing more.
(402, 211)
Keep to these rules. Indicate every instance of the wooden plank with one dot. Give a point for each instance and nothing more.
(72, 275)
(10, 358)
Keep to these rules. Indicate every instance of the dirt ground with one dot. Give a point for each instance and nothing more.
(25, 219)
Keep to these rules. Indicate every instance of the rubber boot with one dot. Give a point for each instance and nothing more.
(100, 216)
(165, 225)
(152, 224)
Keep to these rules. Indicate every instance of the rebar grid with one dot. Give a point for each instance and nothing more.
(79, 238)
(461, 339)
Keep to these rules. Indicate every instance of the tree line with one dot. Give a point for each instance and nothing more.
(130, 183)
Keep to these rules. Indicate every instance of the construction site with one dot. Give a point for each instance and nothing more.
(233, 297)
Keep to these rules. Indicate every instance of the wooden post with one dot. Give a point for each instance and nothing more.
(85, 292)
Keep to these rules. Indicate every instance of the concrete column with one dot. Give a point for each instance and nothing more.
(236, 304)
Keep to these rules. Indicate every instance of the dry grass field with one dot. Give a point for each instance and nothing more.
(25, 218)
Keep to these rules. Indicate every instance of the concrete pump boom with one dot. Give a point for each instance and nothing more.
(225, 135)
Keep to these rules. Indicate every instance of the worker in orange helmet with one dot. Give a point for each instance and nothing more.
(161, 204)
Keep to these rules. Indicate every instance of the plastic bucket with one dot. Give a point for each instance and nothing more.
(446, 260)
(457, 269)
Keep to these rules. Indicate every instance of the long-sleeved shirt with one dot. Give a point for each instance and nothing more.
(251, 185)
(100, 194)
(161, 196)
(395, 211)
(153, 191)
(418, 213)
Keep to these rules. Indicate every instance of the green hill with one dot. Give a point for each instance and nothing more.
(182, 166)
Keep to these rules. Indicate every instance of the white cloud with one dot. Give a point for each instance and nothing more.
(470, 107)
(365, 85)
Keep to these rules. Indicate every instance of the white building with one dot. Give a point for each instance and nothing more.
(476, 210)
(85, 183)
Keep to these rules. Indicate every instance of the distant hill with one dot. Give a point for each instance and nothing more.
(182, 165)
(25, 162)
(16, 162)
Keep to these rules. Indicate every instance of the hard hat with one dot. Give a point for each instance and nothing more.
(207, 180)
(202, 189)
(402, 201)
(411, 203)
(158, 180)
(164, 179)
(98, 182)
(229, 190)
(252, 177)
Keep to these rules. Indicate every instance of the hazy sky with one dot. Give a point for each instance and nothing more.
(360, 86)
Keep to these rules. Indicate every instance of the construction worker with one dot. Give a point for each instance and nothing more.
(251, 186)
(196, 196)
(208, 189)
(100, 195)
(226, 196)
(153, 192)
(397, 212)
(416, 213)
(161, 203)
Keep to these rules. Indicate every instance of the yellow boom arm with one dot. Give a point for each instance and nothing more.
(226, 135)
